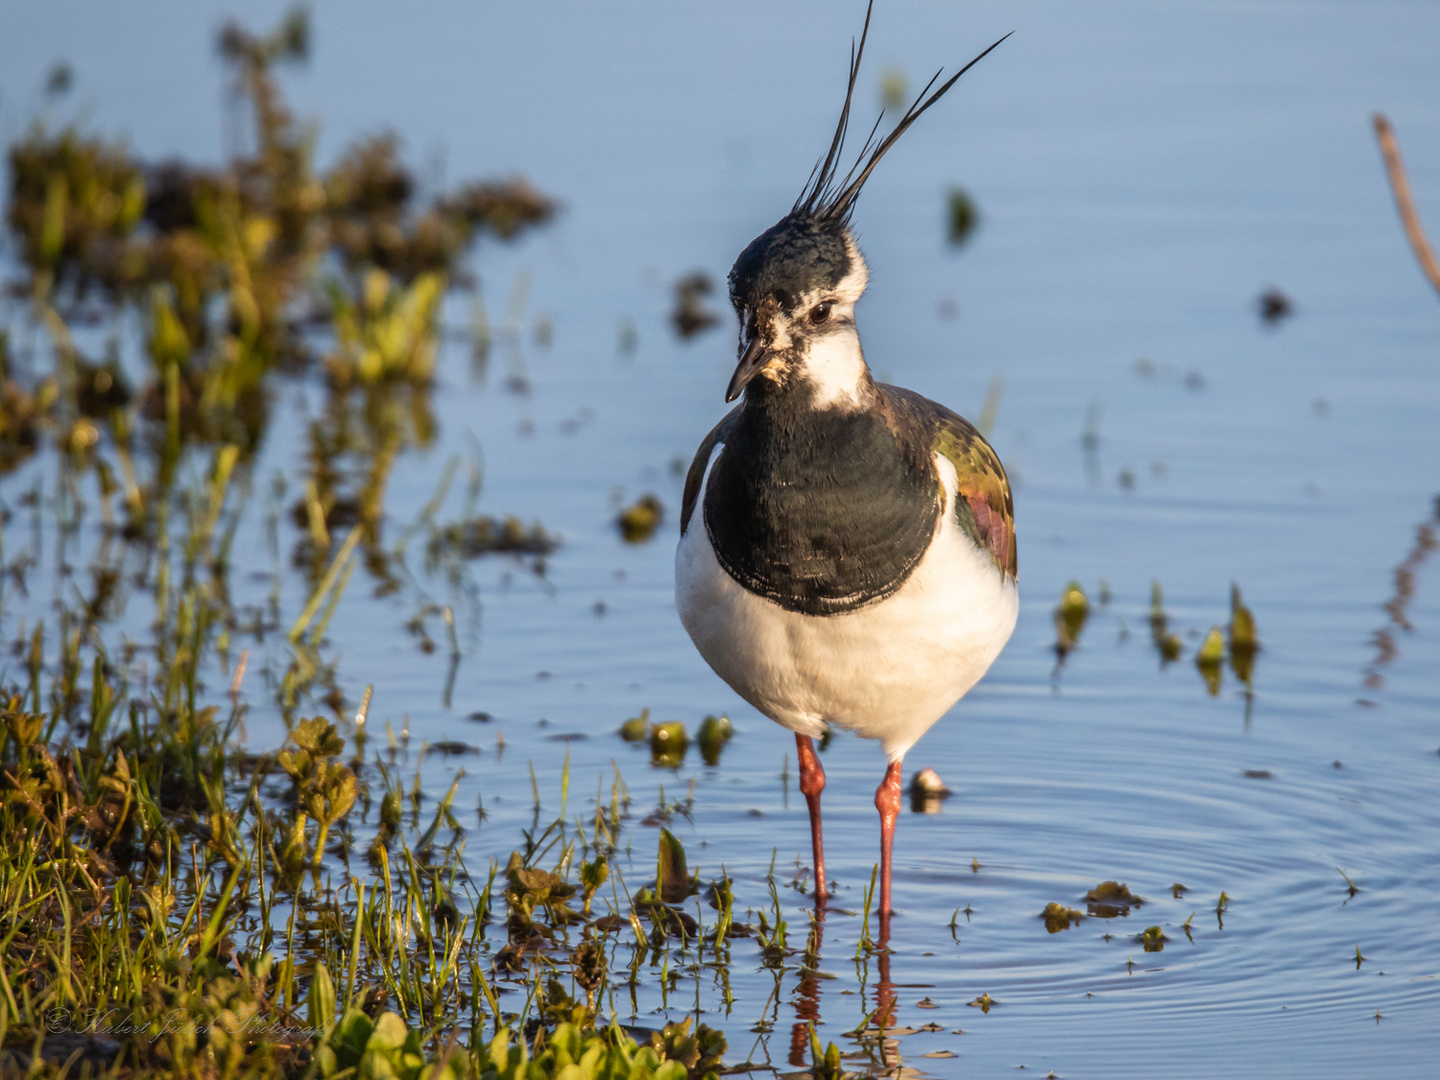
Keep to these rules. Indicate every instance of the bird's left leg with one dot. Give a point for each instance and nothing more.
(812, 782)
(887, 801)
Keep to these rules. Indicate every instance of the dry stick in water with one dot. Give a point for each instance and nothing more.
(239, 678)
(1403, 202)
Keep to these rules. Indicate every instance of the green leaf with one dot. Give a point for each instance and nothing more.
(389, 1033)
(672, 879)
(320, 1002)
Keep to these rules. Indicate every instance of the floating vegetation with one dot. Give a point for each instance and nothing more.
(1167, 642)
(486, 536)
(1070, 616)
(927, 792)
(715, 734)
(961, 216)
(1211, 658)
(1153, 939)
(984, 1002)
(691, 316)
(894, 88)
(637, 728)
(1244, 644)
(1110, 899)
(639, 521)
(1058, 917)
(668, 743)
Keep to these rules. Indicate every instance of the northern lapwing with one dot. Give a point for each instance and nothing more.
(847, 548)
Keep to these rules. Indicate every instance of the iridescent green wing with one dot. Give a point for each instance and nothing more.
(696, 475)
(983, 508)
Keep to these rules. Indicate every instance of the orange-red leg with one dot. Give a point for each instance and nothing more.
(812, 783)
(887, 801)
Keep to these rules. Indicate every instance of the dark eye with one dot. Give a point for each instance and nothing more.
(820, 312)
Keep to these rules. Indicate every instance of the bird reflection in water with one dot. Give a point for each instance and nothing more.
(884, 1052)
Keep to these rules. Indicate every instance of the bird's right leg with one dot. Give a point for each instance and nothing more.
(812, 782)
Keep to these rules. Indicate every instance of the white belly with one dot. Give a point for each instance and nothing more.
(887, 671)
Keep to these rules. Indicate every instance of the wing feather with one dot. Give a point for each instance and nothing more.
(696, 475)
(984, 508)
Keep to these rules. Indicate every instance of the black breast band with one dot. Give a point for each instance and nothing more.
(822, 511)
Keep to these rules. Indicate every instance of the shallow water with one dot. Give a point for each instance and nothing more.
(1142, 175)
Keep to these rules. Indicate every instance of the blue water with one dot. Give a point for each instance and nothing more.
(1143, 173)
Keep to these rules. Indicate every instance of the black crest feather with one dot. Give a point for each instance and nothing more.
(830, 197)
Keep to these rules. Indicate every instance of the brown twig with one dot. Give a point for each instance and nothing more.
(1403, 202)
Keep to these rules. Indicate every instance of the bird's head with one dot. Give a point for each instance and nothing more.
(794, 288)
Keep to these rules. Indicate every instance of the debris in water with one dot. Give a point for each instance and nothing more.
(637, 728)
(1348, 883)
(668, 743)
(1358, 958)
(1209, 659)
(629, 338)
(927, 792)
(1257, 774)
(484, 535)
(1243, 642)
(1177, 890)
(1059, 917)
(894, 88)
(691, 316)
(1167, 643)
(983, 1002)
(1153, 939)
(1274, 306)
(1111, 898)
(715, 732)
(961, 214)
(1070, 616)
(639, 521)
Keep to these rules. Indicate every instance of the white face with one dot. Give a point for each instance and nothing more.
(816, 343)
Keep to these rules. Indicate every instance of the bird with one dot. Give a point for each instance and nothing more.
(847, 552)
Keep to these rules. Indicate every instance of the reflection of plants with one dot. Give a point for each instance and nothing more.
(388, 332)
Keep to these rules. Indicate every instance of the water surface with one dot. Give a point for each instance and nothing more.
(1143, 173)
